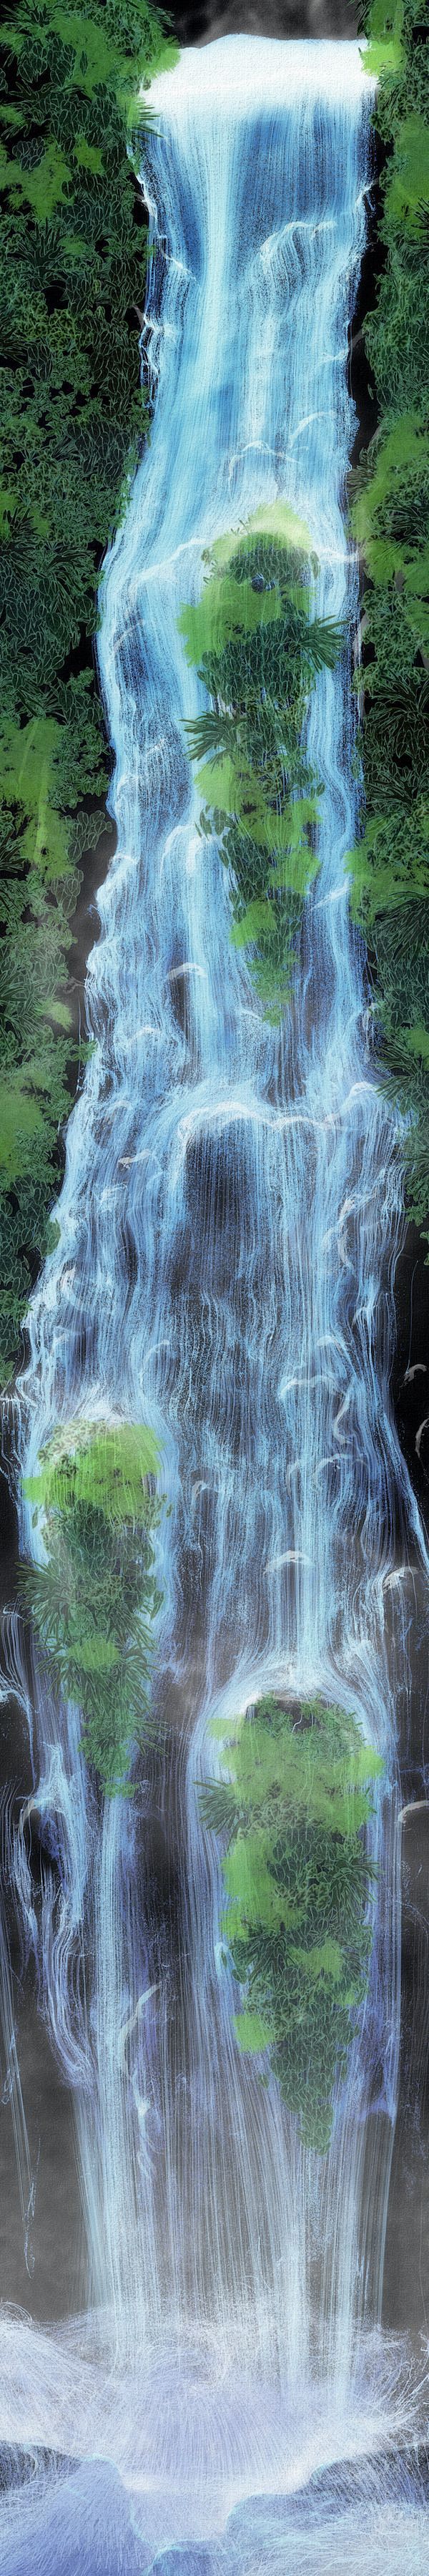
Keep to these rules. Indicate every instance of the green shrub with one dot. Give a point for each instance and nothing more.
(298, 1877)
(94, 1602)
(257, 650)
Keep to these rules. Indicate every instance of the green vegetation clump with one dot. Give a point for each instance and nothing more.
(94, 1602)
(72, 267)
(257, 650)
(390, 519)
(294, 1812)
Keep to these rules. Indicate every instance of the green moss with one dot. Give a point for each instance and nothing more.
(94, 1602)
(104, 1466)
(20, 1119)
(294, 1812)
(257, 649)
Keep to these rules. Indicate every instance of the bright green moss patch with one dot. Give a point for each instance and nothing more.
(407, 187)
(227, 606)
(93, 1604)
(293, 1813)
(257, 648)
(20, 1121)
(103, 1465)
(251, 2033)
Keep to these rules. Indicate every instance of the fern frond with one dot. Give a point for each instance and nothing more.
(218, 1807)
(207, 733)
(324, 642)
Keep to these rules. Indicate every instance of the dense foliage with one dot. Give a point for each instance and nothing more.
(390, 518)
(94, 1601)
(298, 1878)
(72, 264)
(257, 648)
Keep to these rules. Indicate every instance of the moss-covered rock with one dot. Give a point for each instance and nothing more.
(257, 648)
(94, 1601)
(293, 1811)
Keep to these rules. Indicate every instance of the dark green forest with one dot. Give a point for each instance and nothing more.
(390, 520)
(72, 279)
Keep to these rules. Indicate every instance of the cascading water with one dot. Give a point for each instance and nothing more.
(229, 1213)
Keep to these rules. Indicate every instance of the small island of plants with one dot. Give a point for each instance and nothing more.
(93, 1603)
(257, 648)
(293, 1811)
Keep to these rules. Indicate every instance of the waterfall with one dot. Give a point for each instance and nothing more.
(228, 1227)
